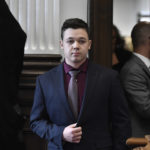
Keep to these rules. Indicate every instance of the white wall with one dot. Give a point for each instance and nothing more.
(125, 13)
(73, 8)
(42, 20)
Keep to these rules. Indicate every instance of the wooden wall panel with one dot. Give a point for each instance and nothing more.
(100, 22)
(33, 65)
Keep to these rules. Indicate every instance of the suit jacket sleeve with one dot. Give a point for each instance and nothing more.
(40, 123)
(136, 87)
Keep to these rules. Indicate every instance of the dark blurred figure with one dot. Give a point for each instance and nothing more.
(119, 54)
(12, 42)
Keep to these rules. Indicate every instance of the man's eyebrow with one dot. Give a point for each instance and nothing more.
(82, 38)
(76, 38)
(70, 38)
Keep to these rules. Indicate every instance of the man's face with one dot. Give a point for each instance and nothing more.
(76, 45)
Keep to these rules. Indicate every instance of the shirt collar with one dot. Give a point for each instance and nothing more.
(143, 58)
(82, 68)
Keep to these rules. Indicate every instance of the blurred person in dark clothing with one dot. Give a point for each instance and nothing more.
(119, 53)
(12, 42)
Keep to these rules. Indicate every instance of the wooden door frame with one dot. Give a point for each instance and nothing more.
(100, 23)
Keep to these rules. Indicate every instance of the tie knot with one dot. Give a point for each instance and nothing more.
(74, 73)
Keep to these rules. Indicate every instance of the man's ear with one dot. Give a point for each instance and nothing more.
(61, 44)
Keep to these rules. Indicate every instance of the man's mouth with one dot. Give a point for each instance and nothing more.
(76, 54)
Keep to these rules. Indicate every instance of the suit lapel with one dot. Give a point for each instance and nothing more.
(61, 91)
(90, 86)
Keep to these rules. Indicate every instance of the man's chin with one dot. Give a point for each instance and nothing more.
(78, 61)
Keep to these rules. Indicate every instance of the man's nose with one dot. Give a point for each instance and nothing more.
(76, 44)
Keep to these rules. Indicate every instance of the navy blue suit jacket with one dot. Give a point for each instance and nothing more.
(103, 116)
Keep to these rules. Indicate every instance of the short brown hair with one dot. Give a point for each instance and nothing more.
(74, 23)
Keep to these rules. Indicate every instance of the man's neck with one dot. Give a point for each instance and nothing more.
(76, 65)
(143, 52)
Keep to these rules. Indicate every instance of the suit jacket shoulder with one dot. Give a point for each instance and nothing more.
(52, 72)
(101, 68)
(134, 66)
(107, 73)
(135, 78)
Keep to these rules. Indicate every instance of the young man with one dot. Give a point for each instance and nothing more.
(102, 120)
(135, 77)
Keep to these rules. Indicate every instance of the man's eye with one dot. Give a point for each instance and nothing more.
(70, 41)
(82, 41)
